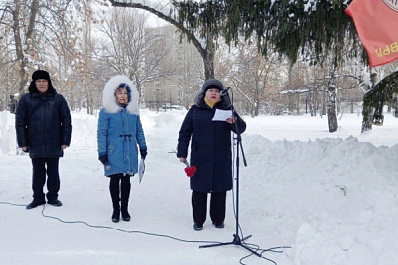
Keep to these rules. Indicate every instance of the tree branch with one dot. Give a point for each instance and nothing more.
(189, 34)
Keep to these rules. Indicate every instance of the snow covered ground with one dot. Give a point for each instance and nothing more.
(330, 199)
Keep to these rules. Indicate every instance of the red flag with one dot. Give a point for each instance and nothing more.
(376, 22)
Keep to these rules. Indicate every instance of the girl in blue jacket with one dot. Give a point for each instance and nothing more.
(119, 134)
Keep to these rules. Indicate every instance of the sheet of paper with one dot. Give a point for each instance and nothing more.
(222, 115)
(141, 169)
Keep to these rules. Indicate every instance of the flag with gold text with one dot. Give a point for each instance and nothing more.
(376, 22)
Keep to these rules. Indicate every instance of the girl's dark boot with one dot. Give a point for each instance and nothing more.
(125, 194)
(116, 213)
(114, 190)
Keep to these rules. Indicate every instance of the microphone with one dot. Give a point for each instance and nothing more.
(225, 91)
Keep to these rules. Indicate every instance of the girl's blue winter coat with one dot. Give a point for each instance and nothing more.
(118, 135)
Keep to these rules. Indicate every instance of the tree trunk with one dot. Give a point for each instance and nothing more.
(18, 45)
(298, 103)
(323, 110)
(21, 52)
(367, 123)
(367, 112)
(313, 104)
(207, 53)
(256, 108)
(208, 60)
(331, 110)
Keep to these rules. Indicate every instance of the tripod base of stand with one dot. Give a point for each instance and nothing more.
(236, 241)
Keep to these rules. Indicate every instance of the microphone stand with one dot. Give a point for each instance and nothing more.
(236, 239)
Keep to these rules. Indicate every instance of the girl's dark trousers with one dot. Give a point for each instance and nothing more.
(119, 187)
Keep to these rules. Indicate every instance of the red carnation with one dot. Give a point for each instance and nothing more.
(190, 171)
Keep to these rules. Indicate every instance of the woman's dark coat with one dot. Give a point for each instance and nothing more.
(211, 152)
(43, 123)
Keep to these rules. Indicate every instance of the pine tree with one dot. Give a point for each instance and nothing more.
(313, 30)
(384, 91)
(292, 28)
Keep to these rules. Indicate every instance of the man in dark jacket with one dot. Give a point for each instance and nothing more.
(44, 127)
(211, 152)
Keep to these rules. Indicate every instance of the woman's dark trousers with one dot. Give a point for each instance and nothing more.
(119, 187)
(40, 171)
(217, 207)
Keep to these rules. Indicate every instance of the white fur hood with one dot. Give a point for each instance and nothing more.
(108, 96)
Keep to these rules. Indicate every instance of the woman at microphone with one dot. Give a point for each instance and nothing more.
(211, 152)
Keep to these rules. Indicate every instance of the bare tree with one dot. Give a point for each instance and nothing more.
(8, 77)
(128, 48)
(255, 77)
(205, 45)
(185, 77)
(22, 26)
(37, 28)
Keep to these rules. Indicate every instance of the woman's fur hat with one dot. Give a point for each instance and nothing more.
(212, 83)
(109, 99)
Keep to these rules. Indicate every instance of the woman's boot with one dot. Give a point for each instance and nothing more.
(114, 190)
(116, 213)
(125, 194)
